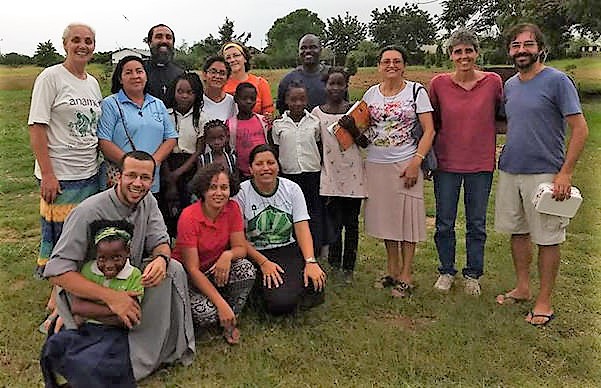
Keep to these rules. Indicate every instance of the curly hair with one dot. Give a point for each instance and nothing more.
(199, 185)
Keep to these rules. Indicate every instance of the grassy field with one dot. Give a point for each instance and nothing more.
(360, 336)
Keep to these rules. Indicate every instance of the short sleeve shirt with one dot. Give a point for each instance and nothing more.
(269, 219)
(195, 230)
(536, 122)
(221, 110)
(298, 143)
(148, 126)
(249, 134)
(392, 119)
(70, 107)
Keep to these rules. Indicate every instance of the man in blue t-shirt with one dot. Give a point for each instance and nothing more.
(539, 102)
(310, 73)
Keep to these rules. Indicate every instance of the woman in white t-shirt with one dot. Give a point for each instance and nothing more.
(63, 117)
(217, 103)
(275, 212)
(394, 209)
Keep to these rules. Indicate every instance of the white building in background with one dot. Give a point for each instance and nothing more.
(118, 55)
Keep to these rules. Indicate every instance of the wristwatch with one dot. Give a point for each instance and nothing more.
(311, 260)
(165, 257)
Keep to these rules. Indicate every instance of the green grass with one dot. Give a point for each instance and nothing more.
(360, 336)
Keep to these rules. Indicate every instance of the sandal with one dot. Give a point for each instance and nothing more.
(548, 318)
(401, 289)
(508, 299)
(385, 282)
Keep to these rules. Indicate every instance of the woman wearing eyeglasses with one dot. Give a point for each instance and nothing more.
(132, 119)
(394, 209)
(217, 103)
(238, 58)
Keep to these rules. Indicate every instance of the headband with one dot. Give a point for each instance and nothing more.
(111, 231)
(235, 45)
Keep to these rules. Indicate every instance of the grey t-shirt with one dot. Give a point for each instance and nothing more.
(75, 245)
(536, 122)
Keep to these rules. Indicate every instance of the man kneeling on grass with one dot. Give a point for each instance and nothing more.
(161, 327)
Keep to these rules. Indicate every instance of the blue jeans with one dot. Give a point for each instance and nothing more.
(476, 187)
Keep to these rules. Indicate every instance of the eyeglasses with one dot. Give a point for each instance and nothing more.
(527, 44)
(395, 62)
(133, 176)
(221, 73)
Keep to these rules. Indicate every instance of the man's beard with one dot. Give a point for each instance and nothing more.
(160, 56)
(527, 65)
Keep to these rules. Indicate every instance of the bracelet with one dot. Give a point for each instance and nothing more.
(264, 261)
(164, 256)
(420, 155)
(311, 260)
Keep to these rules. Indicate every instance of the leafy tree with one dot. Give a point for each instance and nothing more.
(343, 35)
(14, 59)
(366, 54)
(586, 15)
(194, 56)
(102, 57)
(284, 34)
(556, 18)
(226, 33)
(407, 26)
(46, 55)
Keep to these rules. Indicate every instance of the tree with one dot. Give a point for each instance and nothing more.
(102, 57)
(226, 33)
(284, 34)
(366, 54)
(408, 26)
(46, 55)
(14, 59)
(195, 55)
(556, 18)
(343, 35)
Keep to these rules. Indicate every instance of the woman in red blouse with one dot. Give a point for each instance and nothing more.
(212, 247)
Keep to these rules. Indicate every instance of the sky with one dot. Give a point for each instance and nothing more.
(120, 24)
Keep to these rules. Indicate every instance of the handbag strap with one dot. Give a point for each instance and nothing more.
(133, 146)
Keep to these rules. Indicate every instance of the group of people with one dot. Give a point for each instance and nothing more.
(205, 197)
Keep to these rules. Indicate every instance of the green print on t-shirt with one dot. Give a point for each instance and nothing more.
(84, 125)
(270, 227)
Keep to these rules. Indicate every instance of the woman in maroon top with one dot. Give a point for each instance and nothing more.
(465, 104)
(211, 244)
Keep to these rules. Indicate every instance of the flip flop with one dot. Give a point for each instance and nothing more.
(508, 299)
(402, 289)
(548, 317)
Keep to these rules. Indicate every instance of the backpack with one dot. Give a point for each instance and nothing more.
(429, 164)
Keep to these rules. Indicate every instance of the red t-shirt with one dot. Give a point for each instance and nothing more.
(465, 123)
(195, 230)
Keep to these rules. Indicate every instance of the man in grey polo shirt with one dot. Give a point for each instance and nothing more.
(161, 328)
(539, 102)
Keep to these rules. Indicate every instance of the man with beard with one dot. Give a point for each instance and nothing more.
(160, 69)
(539, 102)
(310, 73)
(161, 328)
